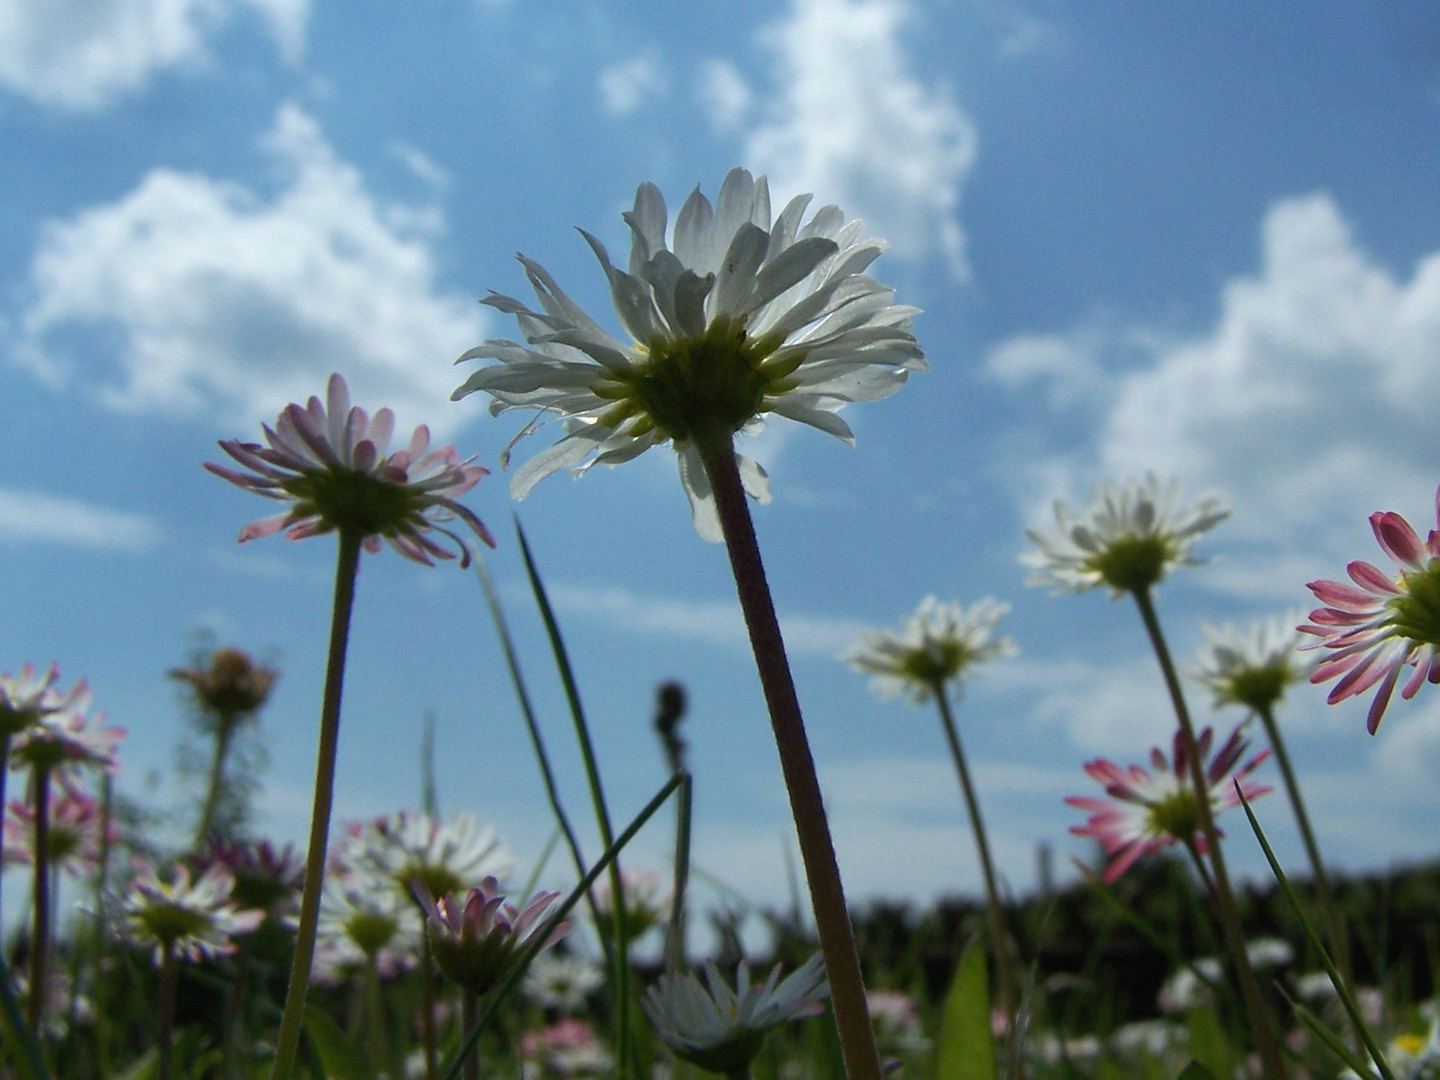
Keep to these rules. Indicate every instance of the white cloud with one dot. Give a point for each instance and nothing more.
(848, 120)
(82, 54)
(1063, 365)
(724, 94)
(710, 621)
(225, 299)
(33, 517)
(624, 87)
(1309, 402)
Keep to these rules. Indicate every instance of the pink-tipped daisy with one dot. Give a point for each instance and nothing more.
(1373, 629)
(477, 937)
(68, 737)
(329, 461)
(196, 917)
(76, 834)
(1147, 812)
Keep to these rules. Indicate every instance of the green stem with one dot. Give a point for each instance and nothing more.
(4, 771)
(807, 806)
(1334, 927)
(469, 1016)
(167, 1008)
(223, 732)
(375, 1042)
(1271, 1061)
(987, 867)
(427, 1005)
(40, 943)
(287, 1043)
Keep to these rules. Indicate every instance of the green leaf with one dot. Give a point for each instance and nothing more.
(1211, 1050)
(1195, 1070)
(966, 1048)
(145, 1067)
(340, 1059)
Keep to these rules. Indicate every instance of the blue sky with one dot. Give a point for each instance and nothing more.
(1199, 239)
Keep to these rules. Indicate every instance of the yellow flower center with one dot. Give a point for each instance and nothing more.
(353, 501)
(1177, 815)
(1415, 615)
(707, 387)
(1131, 563)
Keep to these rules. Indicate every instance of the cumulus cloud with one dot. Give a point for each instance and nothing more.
(724, 94)
(35, 517)
(848, 120)
(81, 55)
(1309, 402)
(624, 87)
(219, 298)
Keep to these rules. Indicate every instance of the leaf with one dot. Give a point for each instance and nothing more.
(145, 1067)
(966, 1048)
(340, 1059)
(1211, 1050)
(1195, 1070)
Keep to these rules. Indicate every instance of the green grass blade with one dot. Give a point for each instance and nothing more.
(966, 1049)
(340, 1059)
(1315, 942)
(28, 1059)
(514, 975)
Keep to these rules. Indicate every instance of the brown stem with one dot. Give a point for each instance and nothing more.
(822, 871)
(40, 945)
(998, 937)
(1264, 1035)
(287, 1043)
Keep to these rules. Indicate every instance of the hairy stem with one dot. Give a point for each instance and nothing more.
(822, 871)
(287, 1043)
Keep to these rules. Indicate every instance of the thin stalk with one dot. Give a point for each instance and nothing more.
(675, 935)
(40, 940)
(167, 1008)
(225, 728)
(807, 806)
(287, 1043)
(1271, 1061)
(375, 1042)
(4, 771)
(1334, 927)
(427, 1006)
(469, 1016)
(987, 867)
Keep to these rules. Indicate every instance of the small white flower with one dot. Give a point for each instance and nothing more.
(449, 856)
(196, 917)
(562, 981)
(1128, 538)
(1190, 987)
(1251, 667)
(934, 647)
(730, 318)
(721, 1029)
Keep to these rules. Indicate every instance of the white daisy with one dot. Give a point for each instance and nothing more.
(730, 318)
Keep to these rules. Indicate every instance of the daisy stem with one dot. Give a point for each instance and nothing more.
(1271, 1061)
(223, 731)
(427, 1007)
(287, 1043)
(1334, 927)
(40, 945)
(998, 937)
(4, 771)
(469, 1016)
(822, 871)
(167, 1008)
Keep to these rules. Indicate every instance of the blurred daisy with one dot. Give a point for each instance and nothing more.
(361, 911)
(477, 937)
(231, 686)
(1373, 629)
(26, 697)
(721, 1029)
(265, 877)
(195, 919)
(1128, 538)
(1251, 667)
(68, 737)
(1149, 811)
(731, 318)
(562, 981)
(648, 895)
(329, 461)
(933, 648)
(896, 1021)
(448, 856)
(567, 1048)
(74, 834)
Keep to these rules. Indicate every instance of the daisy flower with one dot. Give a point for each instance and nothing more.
(357, 909)
(720, 1029)
(1250, 667)
(648, 895)
(934, 647)
(231, 686)
(1149, 811)
(447, 856)
(329, 460)
(477, 937)
(196, 918)
(1373, 629)
(1128, 538)
(26, 697)
(75, 832)
(562, 981)
(730, 317)
(68, 737)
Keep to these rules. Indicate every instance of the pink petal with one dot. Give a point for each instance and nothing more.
(1397, 538)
